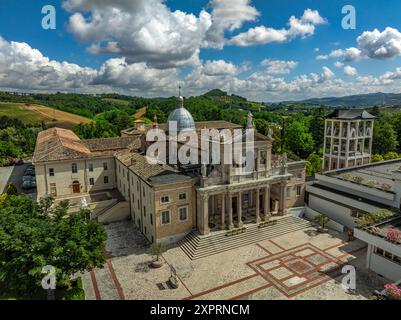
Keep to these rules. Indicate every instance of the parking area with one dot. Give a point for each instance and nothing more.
(303, 264)
(21, 176)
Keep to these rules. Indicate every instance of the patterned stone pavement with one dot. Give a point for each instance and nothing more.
(300, 265)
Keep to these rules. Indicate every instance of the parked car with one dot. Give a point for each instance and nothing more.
(28, 178)
(30, 184)
(30, 172)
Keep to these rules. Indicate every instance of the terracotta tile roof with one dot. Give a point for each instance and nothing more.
(61, 144)
(141, 167)
(115, 144)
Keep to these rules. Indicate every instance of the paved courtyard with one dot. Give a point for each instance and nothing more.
(299, 265)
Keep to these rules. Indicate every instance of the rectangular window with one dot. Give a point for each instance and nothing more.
(388, 255)
(397, 259)
(91, 181)
(183, 213)
(151, 219)
(379, 251)
(299, 176)
(51, 172)
(144, 211)
(53, 190)
(133, 198)
(165, 199)
(183, 196)
(299, 191)
(143, 191)
(90, 167)
(106, 179)
(105, 166)
(165, 217)
(74, 168)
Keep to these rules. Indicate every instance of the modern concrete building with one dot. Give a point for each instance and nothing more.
(348, 139)
(345, 195)
(114, 178)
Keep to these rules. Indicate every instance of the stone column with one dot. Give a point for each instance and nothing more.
(204, 228)
(239, 209)
(230, 211)
(268, 154)
(257, 206)
(281, 209)
(212, 209)
(267, 203)
(223, 211)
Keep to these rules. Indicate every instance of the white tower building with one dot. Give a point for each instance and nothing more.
(347, 139)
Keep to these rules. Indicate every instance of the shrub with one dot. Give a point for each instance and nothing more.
(377, 158)
(393, 292)
(358, 179)
(391, 156)
(322, 219)
(373, 217)
(393, 235)
(345, 176)
(371, 183)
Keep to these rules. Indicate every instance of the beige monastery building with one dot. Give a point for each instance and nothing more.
(113, 178)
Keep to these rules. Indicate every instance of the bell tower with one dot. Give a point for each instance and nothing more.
(347, 139)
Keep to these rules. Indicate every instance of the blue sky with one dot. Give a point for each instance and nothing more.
(146, 48)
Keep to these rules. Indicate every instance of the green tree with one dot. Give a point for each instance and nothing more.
(11, 190)
(298, 140)
(314, 164)
(34, 235)
(384, 138)
(317, 127)
(157, 249)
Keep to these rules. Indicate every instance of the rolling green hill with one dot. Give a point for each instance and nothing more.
(33, 114)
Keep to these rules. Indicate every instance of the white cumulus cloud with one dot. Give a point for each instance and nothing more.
(279, 66)
(350, 71)
(297, 27)
(142, 30)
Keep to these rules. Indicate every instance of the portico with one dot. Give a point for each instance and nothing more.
(233, 206)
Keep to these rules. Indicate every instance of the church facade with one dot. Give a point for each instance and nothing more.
(167, 201)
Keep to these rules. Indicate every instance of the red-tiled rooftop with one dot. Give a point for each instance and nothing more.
(61, 144)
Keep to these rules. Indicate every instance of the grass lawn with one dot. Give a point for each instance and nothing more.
(75, 292)
(29, 114)
(117, 101)
(20, 111)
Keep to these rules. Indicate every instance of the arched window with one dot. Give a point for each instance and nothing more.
(74, 168)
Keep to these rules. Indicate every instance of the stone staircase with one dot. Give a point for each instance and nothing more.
(197, 246)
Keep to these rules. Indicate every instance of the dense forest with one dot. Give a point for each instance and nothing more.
(298, 128)
(17, 140)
